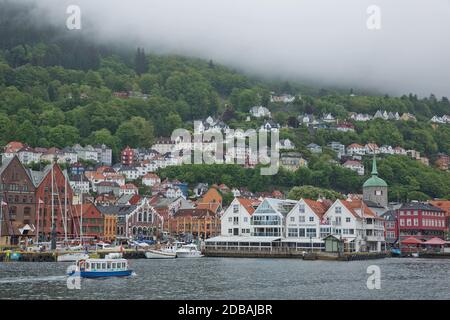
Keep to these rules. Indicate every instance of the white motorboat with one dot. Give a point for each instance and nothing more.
(72, 257)
(160, 254)
(189, 251)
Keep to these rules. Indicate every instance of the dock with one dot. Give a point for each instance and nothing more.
(294, 254)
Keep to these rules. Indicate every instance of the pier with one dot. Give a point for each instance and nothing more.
(291, 253)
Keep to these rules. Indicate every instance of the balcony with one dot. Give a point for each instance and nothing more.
(374, 238)
(265, 223)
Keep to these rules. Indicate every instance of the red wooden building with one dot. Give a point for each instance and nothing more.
(93, 221)
(422, 221)
(61, 210)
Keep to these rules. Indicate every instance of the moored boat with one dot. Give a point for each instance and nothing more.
(160, 254)
(189, 251)
(72, 257)
(101, 268)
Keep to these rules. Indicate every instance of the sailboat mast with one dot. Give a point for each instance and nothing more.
(65, 209)
(53, 245)
(81, 213)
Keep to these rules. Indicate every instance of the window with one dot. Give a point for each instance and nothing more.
(235, 220)
(235, 208)
(347, 220)
(292, 219)
(301, 232)
(293, 232)
(416, 222)
(378, 192)
(230, 219)
(408, 222)
(311, 219)
(245, 219)
(301, 208)
(230, 231)
(402, 222)
(301, 219)
(311, 232)
(351, 231)
(338, 210)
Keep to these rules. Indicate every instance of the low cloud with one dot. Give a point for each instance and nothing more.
(324, 41)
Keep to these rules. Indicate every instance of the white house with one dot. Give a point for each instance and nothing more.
(28, 155)
(400, 151)
(386, 149)
(79, 185)
(236, 219)
(150, 179)
(357, 149)
(129, 172)
(128, 189)
(337, 147)
(329, 118)
(260, 111)
(268, 220)
(372, 148)
(286, 144)
(303, 223)
(314, 148)
(356, 224)
(87, 153)
(270, 125)
(173, 192)
(355, 166)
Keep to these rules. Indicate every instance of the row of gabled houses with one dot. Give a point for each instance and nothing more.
(70, 155)
(305, 222)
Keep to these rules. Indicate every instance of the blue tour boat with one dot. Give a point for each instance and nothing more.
(101, 268)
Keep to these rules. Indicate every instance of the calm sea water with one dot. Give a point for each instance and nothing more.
(227, 278)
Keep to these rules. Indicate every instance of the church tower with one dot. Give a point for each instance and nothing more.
(375, 189)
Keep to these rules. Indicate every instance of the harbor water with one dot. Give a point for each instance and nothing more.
(232, 278)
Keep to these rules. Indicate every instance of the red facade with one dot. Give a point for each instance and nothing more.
(93, 221)
(127, 156)
(62, 201)
(422, 221)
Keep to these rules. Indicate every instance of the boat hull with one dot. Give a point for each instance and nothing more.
(72, 257)
(102, 274)
(160, 255)
(189, 255)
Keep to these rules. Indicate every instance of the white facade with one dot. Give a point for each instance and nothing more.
(303, 223)
(361, 231)
(236, 220)
(80, 186)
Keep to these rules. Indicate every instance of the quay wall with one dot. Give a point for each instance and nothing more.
(292, 254)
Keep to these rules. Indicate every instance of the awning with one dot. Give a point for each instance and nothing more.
(435, 241)
(411, 240)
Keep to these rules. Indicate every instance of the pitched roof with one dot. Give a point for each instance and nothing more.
(355, 205)
(442, 204)
(198, 213)
(248, 204)
(319, 208)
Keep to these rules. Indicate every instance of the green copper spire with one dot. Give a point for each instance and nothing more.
(374, 166)
(375, 181)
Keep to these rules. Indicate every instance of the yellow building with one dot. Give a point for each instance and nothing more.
(110, 227)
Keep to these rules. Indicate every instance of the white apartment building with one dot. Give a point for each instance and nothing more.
(236, 219)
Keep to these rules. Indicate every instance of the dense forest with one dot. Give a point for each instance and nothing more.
(58, 88)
